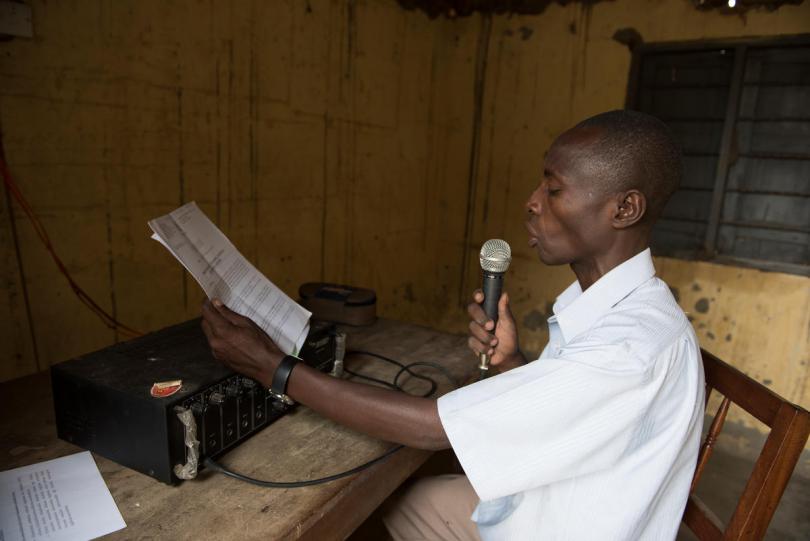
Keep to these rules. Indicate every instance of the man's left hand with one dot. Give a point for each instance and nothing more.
(238, 343)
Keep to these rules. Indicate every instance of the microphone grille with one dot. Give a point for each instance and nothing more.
(495, 255)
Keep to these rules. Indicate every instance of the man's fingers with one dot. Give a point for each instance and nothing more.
(483, 336)
(230, 315)
(504, 313)
(214, 318)
(477, 314)
(477, 347)
(478, 296)
(211, 336)
(207, 330)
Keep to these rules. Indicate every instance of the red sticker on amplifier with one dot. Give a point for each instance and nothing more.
(162, 389)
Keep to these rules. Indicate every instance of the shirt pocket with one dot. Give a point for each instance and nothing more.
(494, 511)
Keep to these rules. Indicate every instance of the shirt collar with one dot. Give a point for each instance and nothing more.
(576, 312)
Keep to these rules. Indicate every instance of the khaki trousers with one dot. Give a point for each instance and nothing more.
(433, 509)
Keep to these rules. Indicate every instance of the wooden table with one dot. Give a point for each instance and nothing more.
(302, 445)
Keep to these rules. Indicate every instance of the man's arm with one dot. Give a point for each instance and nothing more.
(381, 413)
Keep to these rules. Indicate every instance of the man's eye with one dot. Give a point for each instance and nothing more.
(554, 192)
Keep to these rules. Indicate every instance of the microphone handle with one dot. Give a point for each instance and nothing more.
(492, 287)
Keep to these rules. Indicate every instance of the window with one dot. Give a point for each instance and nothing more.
(742, 116)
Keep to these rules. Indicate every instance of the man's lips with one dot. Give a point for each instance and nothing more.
(533, 237)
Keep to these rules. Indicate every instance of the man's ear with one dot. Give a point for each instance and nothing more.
(630, 208)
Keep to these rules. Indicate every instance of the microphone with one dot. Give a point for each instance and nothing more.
(495, 258)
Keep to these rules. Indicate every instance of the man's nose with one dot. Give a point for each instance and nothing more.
(534, 205)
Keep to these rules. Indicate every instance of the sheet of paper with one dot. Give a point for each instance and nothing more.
(59, 500)
(224, 273)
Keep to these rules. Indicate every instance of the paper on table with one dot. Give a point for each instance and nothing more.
(225, 274)
(62, 499)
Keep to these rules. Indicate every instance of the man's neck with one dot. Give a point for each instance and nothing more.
(590, 270)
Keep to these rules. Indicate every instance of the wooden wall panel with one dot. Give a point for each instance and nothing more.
(17, 346)
(303, 129)
(291, 201)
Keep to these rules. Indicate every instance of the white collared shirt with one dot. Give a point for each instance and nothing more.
(598, 438)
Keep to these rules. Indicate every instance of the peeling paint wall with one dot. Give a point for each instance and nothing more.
(758, 320)
(331, 140)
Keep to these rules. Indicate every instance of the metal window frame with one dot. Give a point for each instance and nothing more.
(740, 47)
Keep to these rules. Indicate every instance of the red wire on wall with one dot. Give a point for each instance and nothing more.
(108, 319)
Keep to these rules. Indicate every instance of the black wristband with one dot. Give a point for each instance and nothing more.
(279, 386)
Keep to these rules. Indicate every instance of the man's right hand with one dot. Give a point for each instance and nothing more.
(502, 344)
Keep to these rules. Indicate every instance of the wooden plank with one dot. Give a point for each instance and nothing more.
(754, 398)
(780, 65)
(479, 88)
(634, 80)
(343, 514)
(686, 204)
(377, 33)
(17, 346)
(702, 521)
(772, 211)
(698, 172)
(786, 40)
(696, 136)
(694, 68)
(787, 268)
(777, 137)
(291, 198)
(724, 160)
(771, 474)
(770, 175)
(764, 245)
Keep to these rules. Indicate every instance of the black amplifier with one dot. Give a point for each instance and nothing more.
(107, 401)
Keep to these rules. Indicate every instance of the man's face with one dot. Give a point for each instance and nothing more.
(568, 216)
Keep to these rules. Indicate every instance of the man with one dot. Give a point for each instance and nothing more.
(596, 439)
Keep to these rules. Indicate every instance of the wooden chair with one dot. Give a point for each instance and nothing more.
(790, 426)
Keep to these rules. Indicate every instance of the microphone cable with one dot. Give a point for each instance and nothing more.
(395, 385)
(210, 463)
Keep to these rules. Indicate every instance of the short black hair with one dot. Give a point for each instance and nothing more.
(634, 150)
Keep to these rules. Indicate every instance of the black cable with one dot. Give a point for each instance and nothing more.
(437, 366)
(209, 463)
(403, 368)
(369, 378)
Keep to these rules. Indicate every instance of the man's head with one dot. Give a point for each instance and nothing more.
(605, 183)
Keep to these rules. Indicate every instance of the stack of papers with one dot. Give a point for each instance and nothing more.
(225, 274)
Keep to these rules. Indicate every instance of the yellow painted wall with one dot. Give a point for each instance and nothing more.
(330, 140)
(325, 137)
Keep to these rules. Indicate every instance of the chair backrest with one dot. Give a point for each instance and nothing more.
(790, 426)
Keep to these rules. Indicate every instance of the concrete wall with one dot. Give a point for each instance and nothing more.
(331, 141)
